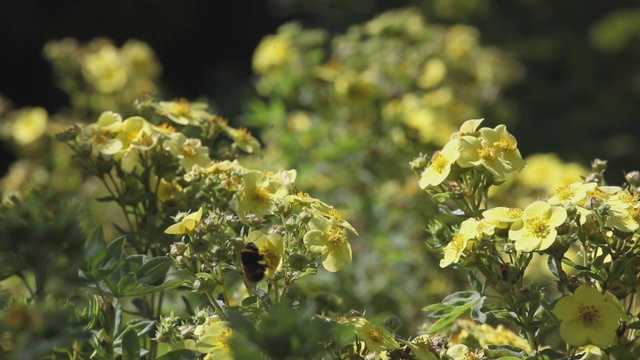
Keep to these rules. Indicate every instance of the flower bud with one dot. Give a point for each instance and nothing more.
(419, 164)
(305, 216)
(298, 262)
(278, 230)
(68, 134)
(200, 245)
(253, 220)
(177, 249)
(202, 284)
(599, 166)
(633, 178)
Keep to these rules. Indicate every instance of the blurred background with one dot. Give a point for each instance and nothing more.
(347, 93)
(579, 96)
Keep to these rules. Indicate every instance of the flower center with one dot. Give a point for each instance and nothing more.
(487, 153)
(439, 163)
(336, 236)
(100, 137)
(376, 335)
(189, 150)
(506, 144)
(457, 243)
(260, 193)
(588, 315)
(565, 192)
(538, 227)
(144, 140)
(180, 107)
(131, 136)
(244, 134)
(514, 213)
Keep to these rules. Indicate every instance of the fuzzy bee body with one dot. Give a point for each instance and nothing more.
(252, 263)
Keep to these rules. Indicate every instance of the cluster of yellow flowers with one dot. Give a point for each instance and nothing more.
(601, 220)
(98, 75)
(494, 149)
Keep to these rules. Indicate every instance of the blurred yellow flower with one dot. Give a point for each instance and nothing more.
(462, 352)
(186, 224)
(536, 230)
(215, 341)
(433, 72)
(421, 348)
(105, 70)
(181, 111)
(272, 51)
(377, 338)
(30, 124)
(587, 317)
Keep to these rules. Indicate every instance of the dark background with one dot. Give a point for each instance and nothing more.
(575, 100)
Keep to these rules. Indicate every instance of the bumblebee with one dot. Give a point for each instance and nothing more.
(252, 265)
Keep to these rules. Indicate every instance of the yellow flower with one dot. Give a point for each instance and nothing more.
(105, 70)
(440, 165)
(624, 213)
(189, 151)
(421, 348)
(216, 341)
(462, 352)
(135, 135)
(495, 149)
(502, 217)
(102, 135)
(461, 241)
(536, 230)
(330, 241)
(587, 318)
(186, 224)
(259, 193)
(575, 193)
(272, 52)
(377, 338)
(242, 138)
(271, 247)
(432, 74)
(29, 126)
(468, 128)
(181, 111)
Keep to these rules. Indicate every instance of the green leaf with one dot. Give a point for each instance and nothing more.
(448, 319)
(95, 251)
(476, 311)
(126, 285)
(149, 289)
(461, 298)
(113, 258)
(153, 270)
(130, 345)
(505, 352)
(181, 354)
(140, 326)
(452, 307)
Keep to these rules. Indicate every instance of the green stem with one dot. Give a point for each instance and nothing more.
(216, 305)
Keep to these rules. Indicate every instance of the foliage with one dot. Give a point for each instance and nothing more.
(350, 111)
